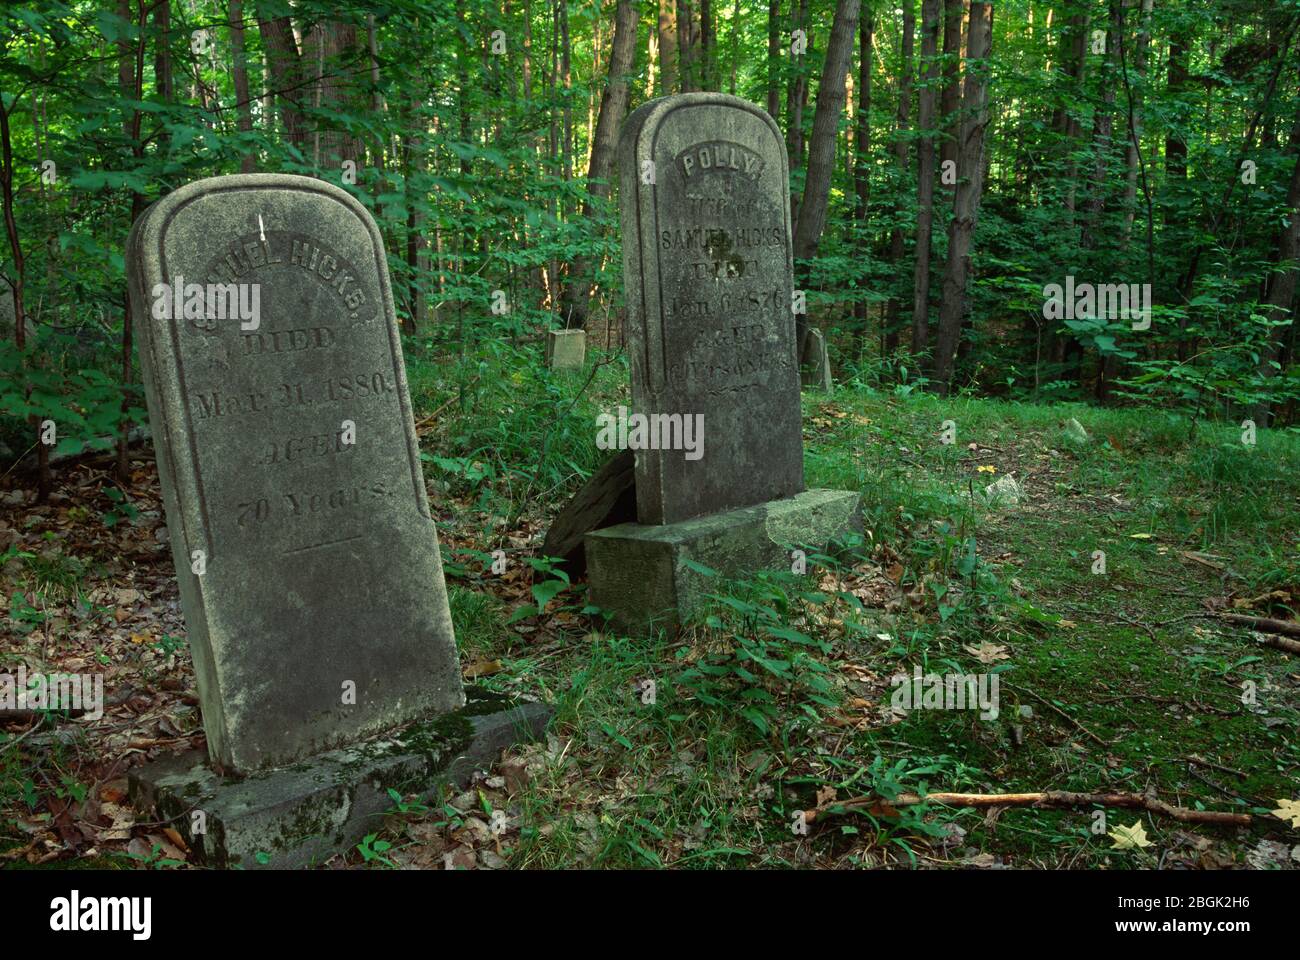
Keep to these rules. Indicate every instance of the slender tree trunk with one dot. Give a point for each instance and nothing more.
(44, 481)
(925, 175)
(566, 69)
(1110, 364)
(687, 36)
(284, 62)
(613, 107)
(417, 260)
(239, 68)
(162, 62)
(862, 159)
(896, 236)
(1282, 283)
(667, 47)
(130, 76)
(706, 46)
(950, 97)
(970, 170)
(797, 97)
(821, 151)
(774, 59)
(735, 44)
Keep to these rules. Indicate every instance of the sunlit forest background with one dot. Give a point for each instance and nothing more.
(942, 174)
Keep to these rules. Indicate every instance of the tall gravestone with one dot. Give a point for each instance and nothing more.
(709, 285)
(310, 575)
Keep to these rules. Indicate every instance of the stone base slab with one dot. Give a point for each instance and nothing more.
(301, 815)
(640, 575)
(566, 349)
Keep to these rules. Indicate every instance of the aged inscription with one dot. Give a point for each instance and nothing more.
(310, 574)
(707, 262)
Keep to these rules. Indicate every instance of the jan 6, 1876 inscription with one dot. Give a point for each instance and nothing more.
(310, 575)
(707, 263)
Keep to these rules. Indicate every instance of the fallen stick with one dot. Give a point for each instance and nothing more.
(1046, 798)
(1269, 625)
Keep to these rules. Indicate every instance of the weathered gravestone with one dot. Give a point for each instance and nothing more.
(816, 371)
(708, 275)
(566, 349)
(309, 568)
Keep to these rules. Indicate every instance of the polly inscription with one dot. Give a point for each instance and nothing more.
(708, 274)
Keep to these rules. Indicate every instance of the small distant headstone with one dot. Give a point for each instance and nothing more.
(817, 363)
(566, 349)
(8, 312)
(1006, 491)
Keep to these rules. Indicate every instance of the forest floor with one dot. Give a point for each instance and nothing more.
(1122, 680)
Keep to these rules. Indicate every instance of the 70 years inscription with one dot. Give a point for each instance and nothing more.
(708, 277)
(310, 575)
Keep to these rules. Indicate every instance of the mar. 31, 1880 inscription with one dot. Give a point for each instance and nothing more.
(310, 575)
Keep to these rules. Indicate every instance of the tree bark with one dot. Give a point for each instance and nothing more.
(774, 59)
(862, 157)
(821, 151)
(950, 98)
(796, 98)
(970, 174)
(285, 65)
(613, 107)
(896, 236)
(1282, 283)
(239, 68)
(162, 61)
(667, 47)
(925, 176)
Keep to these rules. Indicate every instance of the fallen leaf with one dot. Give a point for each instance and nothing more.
(1129, 838)
(1288, 810)
(987, 652)
(482, 668)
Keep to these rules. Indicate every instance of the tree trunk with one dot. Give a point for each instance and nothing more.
(417, 260)
(44, 482)
(687, 36)
(162, 61)
(970, 173)
(896, 237)
(130, 75)
(862, 158)
(774, 59)
(950, 98)
(287, 75)
(613, 106)
(821, 151)
(925, 176)
(707, 52)
(328, 45)
(797, 97)
(239, 68)
(667, 47)
(1282, 284)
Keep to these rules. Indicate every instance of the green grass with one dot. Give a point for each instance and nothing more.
(1110, 682)
(1121, 679)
